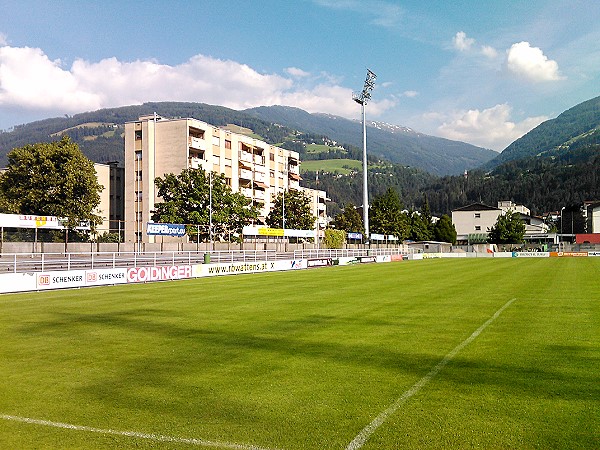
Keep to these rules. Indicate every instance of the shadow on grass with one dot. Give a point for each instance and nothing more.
(564, 371)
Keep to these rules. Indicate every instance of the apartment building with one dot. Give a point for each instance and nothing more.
(110, 208)
(155, 146)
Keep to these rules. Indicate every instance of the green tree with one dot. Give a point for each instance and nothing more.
(334, 238)
(297, 211)
(349, 220)
(444, 230)
(53, 179)
(386, 216)
(187, 199)
(508, 229)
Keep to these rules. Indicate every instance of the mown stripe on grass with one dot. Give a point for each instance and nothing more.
(367, 431)
(135, 434)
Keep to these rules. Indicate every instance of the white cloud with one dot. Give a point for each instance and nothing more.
(490, 128)
(30, 81)
(461, 42)
(298, 73)
(410, 94)
(531, 63)
(488, 51)
(3, 39)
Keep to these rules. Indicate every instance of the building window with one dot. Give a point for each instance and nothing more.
(138, 196)
(228, 181)
(271, 156)
(138, 135)
(138, 175)
(477, 228)
(216, 141)
(138, 155)
(228, 144)
(478, 215)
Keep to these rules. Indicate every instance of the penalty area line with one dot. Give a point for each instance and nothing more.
(367, 431)
(134, 434)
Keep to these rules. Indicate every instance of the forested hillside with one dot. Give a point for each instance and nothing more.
(542, 184)
(575, 128)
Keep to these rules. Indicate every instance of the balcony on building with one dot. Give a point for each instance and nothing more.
(259, 194)
(197, 163)
(245, 174)
(259, 155)
(294, 176)
(260, 176)
(247, 192)
(197, 143)
(294, 185)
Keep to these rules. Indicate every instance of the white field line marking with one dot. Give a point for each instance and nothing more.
(134, 434)
(367, 431)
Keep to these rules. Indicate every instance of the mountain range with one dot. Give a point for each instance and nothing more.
(400, 145)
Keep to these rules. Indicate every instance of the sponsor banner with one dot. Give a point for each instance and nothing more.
(250, 230)
(101, 277)
(593, 253)
(211, 270)
(321, 262)
(530, 254)
(561, 254)
(61, 280)
(165, 229)
(358, 236)
(397, 257)
(30, 221)
(384, 258)
(377, 237)
(17, 282)
(367, 259)
(502, 254)
(161, 273)
(431, 255)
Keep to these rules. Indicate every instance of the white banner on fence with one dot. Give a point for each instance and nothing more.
(211, 270)
(17, 282)
(102, 277)
(61, 279)
(531, 254)
(162, 273)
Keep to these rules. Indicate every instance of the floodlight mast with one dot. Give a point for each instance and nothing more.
(362, 100)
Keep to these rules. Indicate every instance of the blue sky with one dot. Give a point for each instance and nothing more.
(484, 72)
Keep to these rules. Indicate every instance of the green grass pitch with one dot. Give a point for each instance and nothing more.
(307, 360)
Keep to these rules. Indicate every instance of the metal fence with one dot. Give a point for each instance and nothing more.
(46, 262)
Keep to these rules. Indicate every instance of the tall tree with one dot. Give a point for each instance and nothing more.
(349, 220)
(187, 200)
(297, 211)
(444, 230)
(53, 179)
(508, 229)
(387, 217)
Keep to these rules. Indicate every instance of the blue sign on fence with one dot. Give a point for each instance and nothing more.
(354, 236)
(165, 229)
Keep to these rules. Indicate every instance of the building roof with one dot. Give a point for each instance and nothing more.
(477, 207)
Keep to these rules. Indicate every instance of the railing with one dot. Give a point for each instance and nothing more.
(341, 253)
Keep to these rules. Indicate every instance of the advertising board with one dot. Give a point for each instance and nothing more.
(165, 229)
(60, 279)
(211, 270)
(160, 273)
(319, 262)
(17, 282)
(102, 277)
